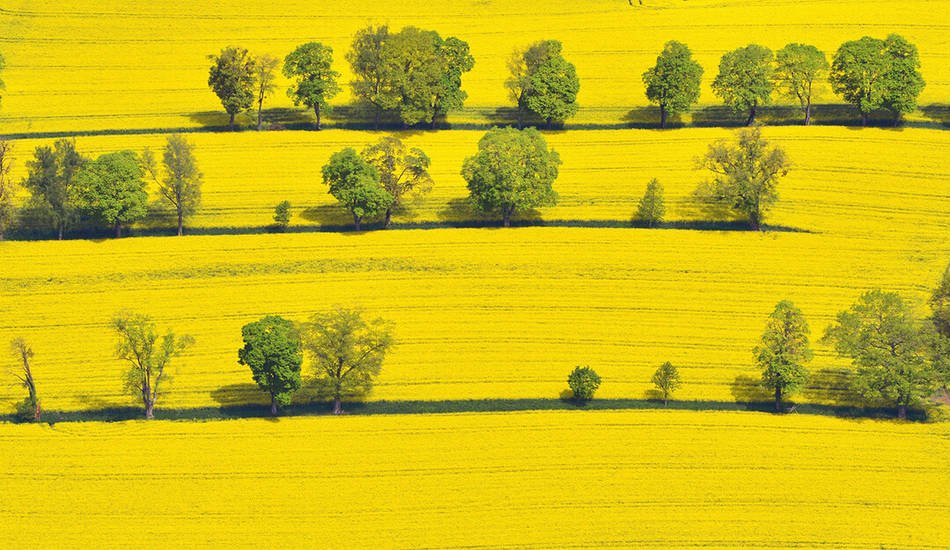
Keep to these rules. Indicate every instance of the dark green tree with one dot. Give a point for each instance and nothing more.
(374, 70)
(745, 79)
(673, 83)
(783, 351)
(651, 208)
(111, 189)
(272, 350)
(403, 171)
(180, 180)
(513, 171)
(50, 180)
(940, 304)
(799, 67)
(232, 79)
(347, 352)
(667, 380)
(583, 382)
(8, 211)
(356, 185)
(282, 215)
(315, 82)
(543, 82)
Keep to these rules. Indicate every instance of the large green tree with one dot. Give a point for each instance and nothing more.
(374, 70)
(940, 303)
(8, 211)
(272, 350)
(314, 80)
(347, 352)
(356, 185)
(512, 171)
(874, 74)
(783, 351)
(111, 189)
(673, 83)
(543, 82)
(745, 79)
(232, 79)
(889, 347)
(179, 181)
(403, 170)
(798, 68)
(745, 176)
(51, 176)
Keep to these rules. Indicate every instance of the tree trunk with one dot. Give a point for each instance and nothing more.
(520, 117)
(662, 115)
(433, 122)
(389, 217)
(231, 122)
(337, 405)
(376, 121)
(778, 399)
(808, 113)
(273, 406)
(356, 221)
(754, 222)
(666, 399)
(864, 119)
(751, 120)
(118, 230)
(149, 410)
(550, 122)
(316, 111)
(60, 230)
(181, 221)
(506, 218)
(902, 412)
(260, 120)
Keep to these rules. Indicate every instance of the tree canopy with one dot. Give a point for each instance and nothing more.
(783, 351)
(315, 82)
(745, 79)
(272, 350)
(180, 180)
(112, 190)
(232, 79)
(667, 380)
(799, 68)
(673, 83)
(51, 176)
(542, 82)
(402, 170)
(8, 211)
(651, 208)
(356, 185)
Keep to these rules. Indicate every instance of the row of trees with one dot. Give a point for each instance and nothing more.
(416, 76)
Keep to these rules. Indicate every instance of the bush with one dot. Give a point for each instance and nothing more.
(583, 382)
(25, 412)
(282, 215)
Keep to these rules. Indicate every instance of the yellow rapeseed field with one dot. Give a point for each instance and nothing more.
(569, 479)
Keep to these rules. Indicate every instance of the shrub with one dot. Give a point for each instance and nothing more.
(583, 382)
(282, 215)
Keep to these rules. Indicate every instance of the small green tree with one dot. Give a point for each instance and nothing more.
(402, 170)
(282, 215)
(746, 175)
(583, 382)
(673, 83)
(651, 208)
(51, 176)
(745, 79)
(783, 352)
(265, 75)
(8, 211)
(181, 181)
(232, 79)
(111, 189)
(148, 355)
(272, 350)
(29, 408)
(315, 81)
(667, 380)
(889, 348)
(513, 170)
(799, 67)
(347, 352)
(355, 184)
(543, 82)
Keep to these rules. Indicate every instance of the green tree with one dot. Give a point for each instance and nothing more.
(272, 350)
(30, 408)
(543, 82)
(651, 208)
(232, 79)
(50, 180)
(148, 354)
(583, 382)
(746, 175)
(374, 70)
(889, 348)
(783, 352)
(8, 210)
(667, 380)
(315, 82)
(453, 59)
(799, 67)
(356, 185)
(180, 182)
(111, 189)
(673, 83)
(402, 170)
(282, 215)
(940, 304)
(513, 170)
(874, 74)
(745, 79)
(265, 75)
(347, 352)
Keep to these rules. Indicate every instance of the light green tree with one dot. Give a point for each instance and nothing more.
(651, 208)
(799, 68)
(232, 79)
(783, 351)
(745, 79)
(356, 185)
(112, 189)
(180, 180)
(667, 380)
(673, 83)
(315, 82)
(403, 170)
(543, 82)
(583, 382)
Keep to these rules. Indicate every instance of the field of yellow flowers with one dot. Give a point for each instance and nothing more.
(539, 480)
(120, 64)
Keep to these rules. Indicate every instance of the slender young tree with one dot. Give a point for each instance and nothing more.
(272, 351)
(356, 185)
(651, 208)
(667, 380)
(799, 67)
(231, 78)
(7, 189)
(315, 82)
(265, 76)
(783, 351)
(673, 83)
(402, 170)
(30, 407)
(180, 180)
(745, 79)
(50, 181)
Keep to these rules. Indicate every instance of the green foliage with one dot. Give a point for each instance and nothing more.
(356, 185)
(746, 176)
(651, 208)
(148, 355)
(877, 74)
(543, 82)
(272, 350)
(315, 82)
(51, 176)
(745, 79)
(265, 76)
(799, 67)
(583, 382)
(282, 215)
(8, 211)
(232, 79)
(513, 171)
(890, 349)
(373, 70)
(940, 304)
(667, 380)
(347, 352)
(112, 190)
(402, 170)
(181, 181)
(28, 410)
(673, 83)
(783, 352)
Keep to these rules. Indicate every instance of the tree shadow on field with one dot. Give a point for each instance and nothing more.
(937, 112)
(327, 215)
(236, 395)
(648, 118)
(460, 212)
(831, 386)
(748, 389)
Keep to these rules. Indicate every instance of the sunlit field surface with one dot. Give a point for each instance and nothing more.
(529, 480)
(77, 65)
